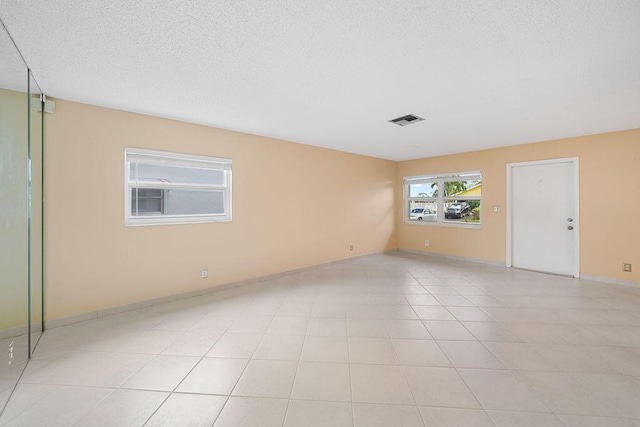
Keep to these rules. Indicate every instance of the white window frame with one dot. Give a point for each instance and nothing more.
(176, 159)
(440, 179)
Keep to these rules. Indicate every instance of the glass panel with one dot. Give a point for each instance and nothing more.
(14, 243)
(146, 173)
(176, 202)
(462, 211)
(36, 213)
(185, 202)
(428, 189)
(462, 188)
(423, 211)
(149, 201)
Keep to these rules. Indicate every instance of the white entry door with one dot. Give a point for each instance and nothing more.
(542, 216)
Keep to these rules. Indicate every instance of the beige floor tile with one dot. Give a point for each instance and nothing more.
(330, 298)
(491, 331)
(325, 349)
(213, 376)
(213, 322)
(380, 384)
(163, 373)
(617, 391)
(79, 368)
(366, 328)
(378, 351)
(359, 299)
(251, 412)
(288, 325)
(332, 311)
(440, 290)
(625, 360)
(454, 301)
(439, 387)
(322, 381)
(295, 309)
(563, 394)
(318, 414)
(409, 329)
(436, 417)
(469, 314)
(327, 327)
(266, 378)
(572, 358)
(188, 410)
(251, 325)
(443, 330)
(520, 356)
(35, 404)
(279, 347)
(422, 300)
(363, 311)
(193, 343)
(425, 312)
(469, 354)
(370, 415)
(420, 353)
(524, 419)
(585, 421)
(235, 346)
(124, 407)
(500, 390)
(397, 312)
(389, 298)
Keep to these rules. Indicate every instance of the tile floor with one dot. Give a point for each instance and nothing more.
(386, 340)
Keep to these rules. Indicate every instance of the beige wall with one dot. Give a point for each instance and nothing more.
(609, 201)
(294, 206)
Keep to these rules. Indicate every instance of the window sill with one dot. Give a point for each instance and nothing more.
(171, 221)
(475, 226)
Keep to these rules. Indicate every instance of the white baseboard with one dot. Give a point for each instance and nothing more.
(453, 257)
(610, 280)
(76, 318)
(17, 331)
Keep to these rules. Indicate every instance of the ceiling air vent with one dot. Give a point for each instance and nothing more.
(407, 120)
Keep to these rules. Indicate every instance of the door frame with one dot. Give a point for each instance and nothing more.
(576, 202)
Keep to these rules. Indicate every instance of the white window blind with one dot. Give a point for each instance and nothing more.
(169, 188)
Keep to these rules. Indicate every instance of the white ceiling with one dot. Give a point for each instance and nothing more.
(331, 73)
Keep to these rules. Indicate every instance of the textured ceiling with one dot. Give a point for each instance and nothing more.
(332, 73)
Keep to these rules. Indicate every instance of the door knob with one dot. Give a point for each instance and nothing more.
(570, 227)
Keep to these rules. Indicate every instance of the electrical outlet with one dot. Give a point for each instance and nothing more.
(426, 243)
(496, 208)
(626, 267)
(350, 247)
(205, 273)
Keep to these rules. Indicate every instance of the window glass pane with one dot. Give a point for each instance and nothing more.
(462, 211)
(425, 189)
(423, 211)
(149, 201)
(187, 202)
(146, 173)
(463, 188)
